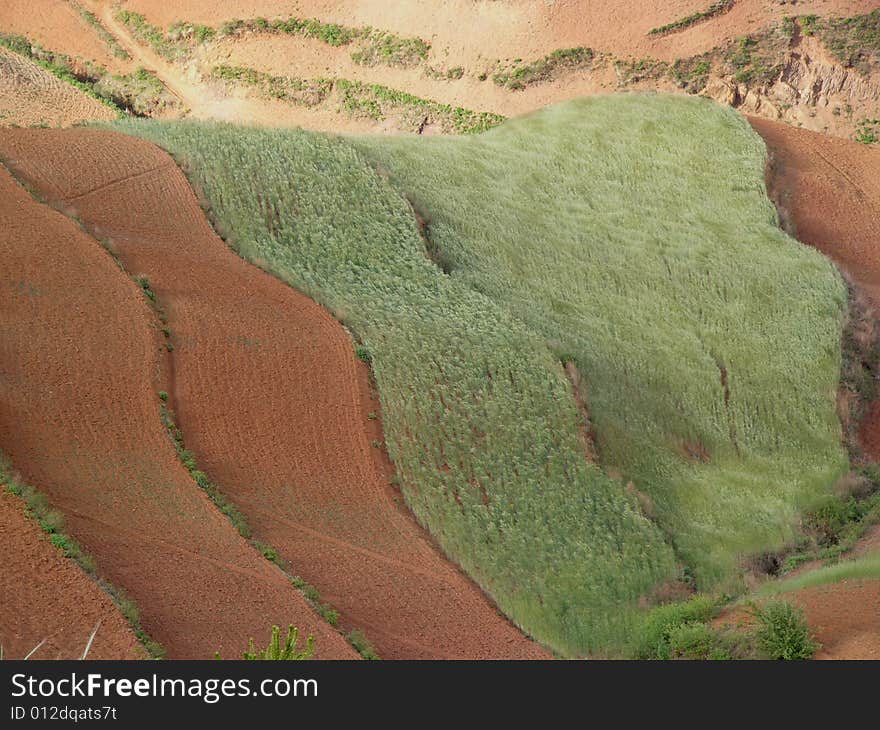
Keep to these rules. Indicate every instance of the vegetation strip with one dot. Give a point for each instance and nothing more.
(716, 8)
(52, 523)
(356, 638)
(359, 99)
(374, 47)
(520, 75)
(139, 93)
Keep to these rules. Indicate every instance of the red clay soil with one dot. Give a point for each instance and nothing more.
(830, 190)
(844, 616)
(79, 368)
(47, 596)
(274, 403)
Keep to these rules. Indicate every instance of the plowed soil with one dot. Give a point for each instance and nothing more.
(845, 617)
(47, 596)
(79, 372)
(274, 403)
(30, 95)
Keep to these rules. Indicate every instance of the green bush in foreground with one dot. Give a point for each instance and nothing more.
(783, 632)
(660, 633)
(631, 234)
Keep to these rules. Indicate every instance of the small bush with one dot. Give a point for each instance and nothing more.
(664, 622)
(286, 651)
(698, 641)
(783, 632)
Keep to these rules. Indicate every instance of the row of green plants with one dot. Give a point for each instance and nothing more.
(51, 522)
(358, 99)
(688, 631)
(373, 46)
(519, 75)
(289, 89)
(715, 9)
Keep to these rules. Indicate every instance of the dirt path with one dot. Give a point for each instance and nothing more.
(201, 99)
(80, 368)
(48, 596)
(276, 406)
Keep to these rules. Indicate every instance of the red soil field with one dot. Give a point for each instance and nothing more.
(80, 367)
(274, 403)
(845, 618)
(48, 596)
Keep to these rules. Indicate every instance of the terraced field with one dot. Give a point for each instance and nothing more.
(47, 597)
(82, 360)
(30, 96)
(691, 433)
(273, 402)
(454, 392)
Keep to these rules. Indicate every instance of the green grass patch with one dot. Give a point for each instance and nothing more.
(783, 632)
(519, 75)
(290, 89)
(868, 131)
(376, 102)
(379, 47)
(716, 8)
(865, 568)
(599, 229)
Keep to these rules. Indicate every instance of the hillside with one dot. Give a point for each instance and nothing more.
(440, 329)
(273, 402)
(689, 437)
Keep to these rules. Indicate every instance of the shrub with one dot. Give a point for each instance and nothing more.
(666, 622)
(286, 651)
(698, 641)
(783, 632)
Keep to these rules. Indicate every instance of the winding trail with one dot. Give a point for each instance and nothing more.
(199, 98)
(81, 363)
(272, 400)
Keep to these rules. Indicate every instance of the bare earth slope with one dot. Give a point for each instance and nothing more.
(47, 596)
(79, 367)
(274, 403)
